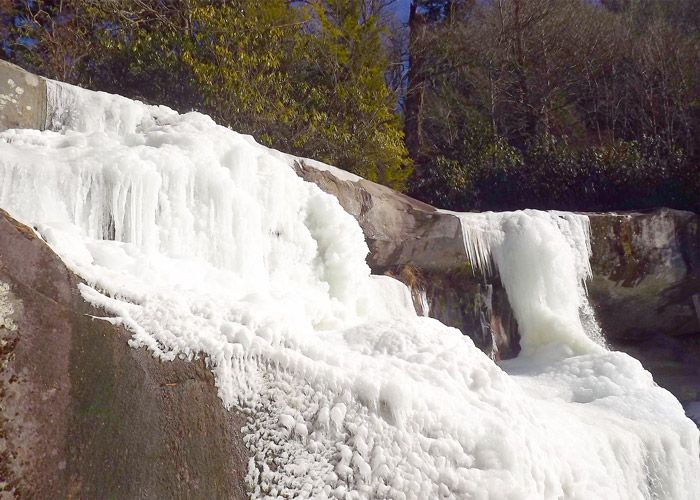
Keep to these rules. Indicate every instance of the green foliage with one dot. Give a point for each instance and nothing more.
(553, 173)
(344, 64)
(241, 59)
(308, 79)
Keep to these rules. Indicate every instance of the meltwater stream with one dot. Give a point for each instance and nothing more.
(202, 242)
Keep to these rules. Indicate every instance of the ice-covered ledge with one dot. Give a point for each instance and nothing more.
(399, 230)
(645, 265)
(82, 414)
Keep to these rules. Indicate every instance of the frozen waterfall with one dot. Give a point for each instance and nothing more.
(202, 242)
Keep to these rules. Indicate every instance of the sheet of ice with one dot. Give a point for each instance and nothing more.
(202, 242)
(543, 262)
(424, 304)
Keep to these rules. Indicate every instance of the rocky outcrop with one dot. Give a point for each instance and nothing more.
(399, 230)
(646, 292)
(82, 414)
(646, 276)
(646, 270)
(22, 98)
(424, 248)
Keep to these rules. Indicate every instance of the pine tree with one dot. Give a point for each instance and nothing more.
(344, 70)
(242, 55)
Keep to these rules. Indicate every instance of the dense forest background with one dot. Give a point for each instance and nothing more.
(472, 104)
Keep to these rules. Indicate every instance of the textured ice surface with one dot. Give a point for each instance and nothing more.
(202, 242)
(543, 261)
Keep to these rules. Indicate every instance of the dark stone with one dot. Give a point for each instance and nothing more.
(646, 270)
(82, 414)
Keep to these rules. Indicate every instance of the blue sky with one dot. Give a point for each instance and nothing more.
(403, 7)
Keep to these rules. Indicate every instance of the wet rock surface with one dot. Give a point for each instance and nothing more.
(82, 414)
(646, 270)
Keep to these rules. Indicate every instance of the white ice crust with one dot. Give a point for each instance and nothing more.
(203, 243)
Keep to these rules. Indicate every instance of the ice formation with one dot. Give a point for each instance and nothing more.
(543, 261)
(202, 242)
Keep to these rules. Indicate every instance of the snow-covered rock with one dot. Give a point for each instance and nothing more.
(82, 414)
(202, 243)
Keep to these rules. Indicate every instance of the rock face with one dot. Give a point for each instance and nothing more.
(22, 98)
(399, 230)
(645, 286)
(82, 414)
(646, 292)
(646, 270)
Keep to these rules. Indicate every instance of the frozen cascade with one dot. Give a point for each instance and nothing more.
(201, 241)
(542, 257)
(424, 304)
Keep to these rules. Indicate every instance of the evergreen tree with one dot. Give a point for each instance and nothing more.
(305, 78)
(344, 71)
(242, 57)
